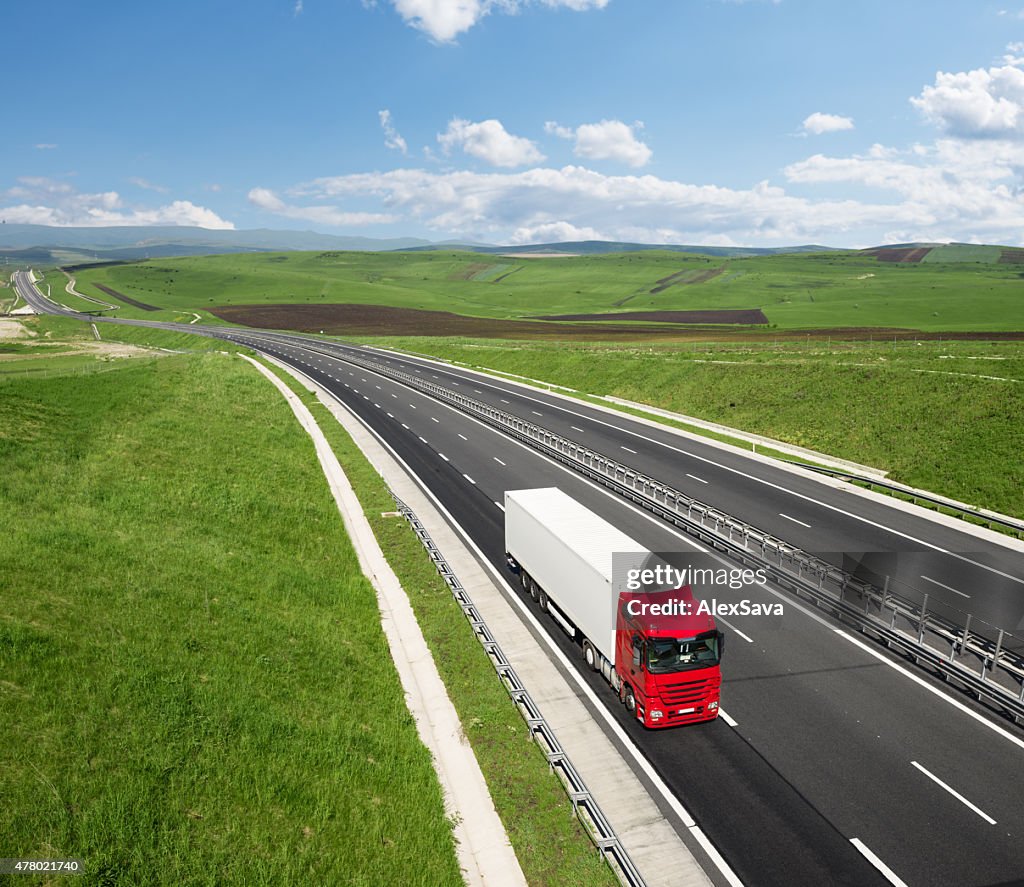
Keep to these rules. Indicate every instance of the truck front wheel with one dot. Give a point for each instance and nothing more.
(629, 700)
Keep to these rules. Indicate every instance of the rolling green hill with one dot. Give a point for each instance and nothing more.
(955, 288)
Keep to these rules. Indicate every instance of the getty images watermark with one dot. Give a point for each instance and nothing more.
(691, 584)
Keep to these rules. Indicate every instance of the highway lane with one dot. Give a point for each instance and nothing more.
(828, 736)
(975, 576)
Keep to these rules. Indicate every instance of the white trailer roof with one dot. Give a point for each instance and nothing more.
(589, 535)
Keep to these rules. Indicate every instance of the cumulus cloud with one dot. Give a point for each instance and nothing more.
(984, 103)
(607, 140)
(489, 141)
(392, 138)
(444, 20)
(49, 202)
(818, 123)
(266, 199)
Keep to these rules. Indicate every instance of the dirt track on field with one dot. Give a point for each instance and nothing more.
(378, 320)
(747, 316)
(128, 300)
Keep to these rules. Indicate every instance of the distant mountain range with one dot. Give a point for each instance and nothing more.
(42, 244)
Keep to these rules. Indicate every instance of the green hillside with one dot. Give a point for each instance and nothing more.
(962, 288)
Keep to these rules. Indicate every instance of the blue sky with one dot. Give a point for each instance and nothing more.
(687, 121)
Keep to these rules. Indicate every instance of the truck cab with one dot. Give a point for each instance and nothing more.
(667, 657)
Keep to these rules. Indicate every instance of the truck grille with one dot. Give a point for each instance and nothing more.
(683, 695)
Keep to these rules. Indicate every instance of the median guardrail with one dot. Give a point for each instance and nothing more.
(586, 808)
(987, 661)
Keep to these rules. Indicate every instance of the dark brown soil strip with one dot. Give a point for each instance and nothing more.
(677, 278)
(747, 316)
(1011, 256)
(904, 255)
(126, 299)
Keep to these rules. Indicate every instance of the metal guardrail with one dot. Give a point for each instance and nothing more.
(595, 822)
(951, 504)
(878, 611)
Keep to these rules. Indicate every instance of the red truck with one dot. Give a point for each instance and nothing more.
(654, 648)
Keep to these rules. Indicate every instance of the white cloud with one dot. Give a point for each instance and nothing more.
(298, 7)
(607, 140)
(818, 123)
(49, 202)
(554, 232)
(45, 146)
(976, 104)
(489, 141)
(444, 20)
(392, 138)
(266, 199)
(147, 185)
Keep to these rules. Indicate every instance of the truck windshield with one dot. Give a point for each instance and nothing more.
(679, 654)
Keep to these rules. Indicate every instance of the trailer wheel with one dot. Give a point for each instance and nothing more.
(629, 700)
(590, 656)
(542, 600)
(524, 580)
(534, 590)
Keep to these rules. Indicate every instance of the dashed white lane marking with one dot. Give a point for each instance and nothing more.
(422, 438)
(413, 405)
(467, 477)
(502, 507)
(443, 456)
(496, 459)
(795, 521)
(726, 718)
(954, 793)
(463, 437)
(574, 428)
(406, 427)
(536, 413)
(943, 585)
(504, 401)
(885, 871)
(698, 479)
(735, 629)
(628, 450)
(390, 416)
(432, 419)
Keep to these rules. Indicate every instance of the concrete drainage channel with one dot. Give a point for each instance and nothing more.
(584, 805)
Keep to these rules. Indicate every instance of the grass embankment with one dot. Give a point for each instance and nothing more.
(815, 290)
(194, 682)
(923, 413)
(549, 842)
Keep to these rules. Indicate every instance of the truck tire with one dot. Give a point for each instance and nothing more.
(590, 656)
(628, 699)
(534, 590)
(524, 580)
(542, 600)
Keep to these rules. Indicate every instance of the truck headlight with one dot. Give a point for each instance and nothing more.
(712, 705)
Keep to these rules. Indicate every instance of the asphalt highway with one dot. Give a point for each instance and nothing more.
(833, 762)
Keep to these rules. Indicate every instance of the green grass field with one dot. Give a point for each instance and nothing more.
(959, 288)
(194, 682)
(924, 413)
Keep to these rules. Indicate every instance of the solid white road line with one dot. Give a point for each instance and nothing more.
(726, 718)
(795, 521)
(955, 794)
(734, 628)
(886, 872)
(698, 479)
(943, 585)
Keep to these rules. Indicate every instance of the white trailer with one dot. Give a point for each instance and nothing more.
(565, 553)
